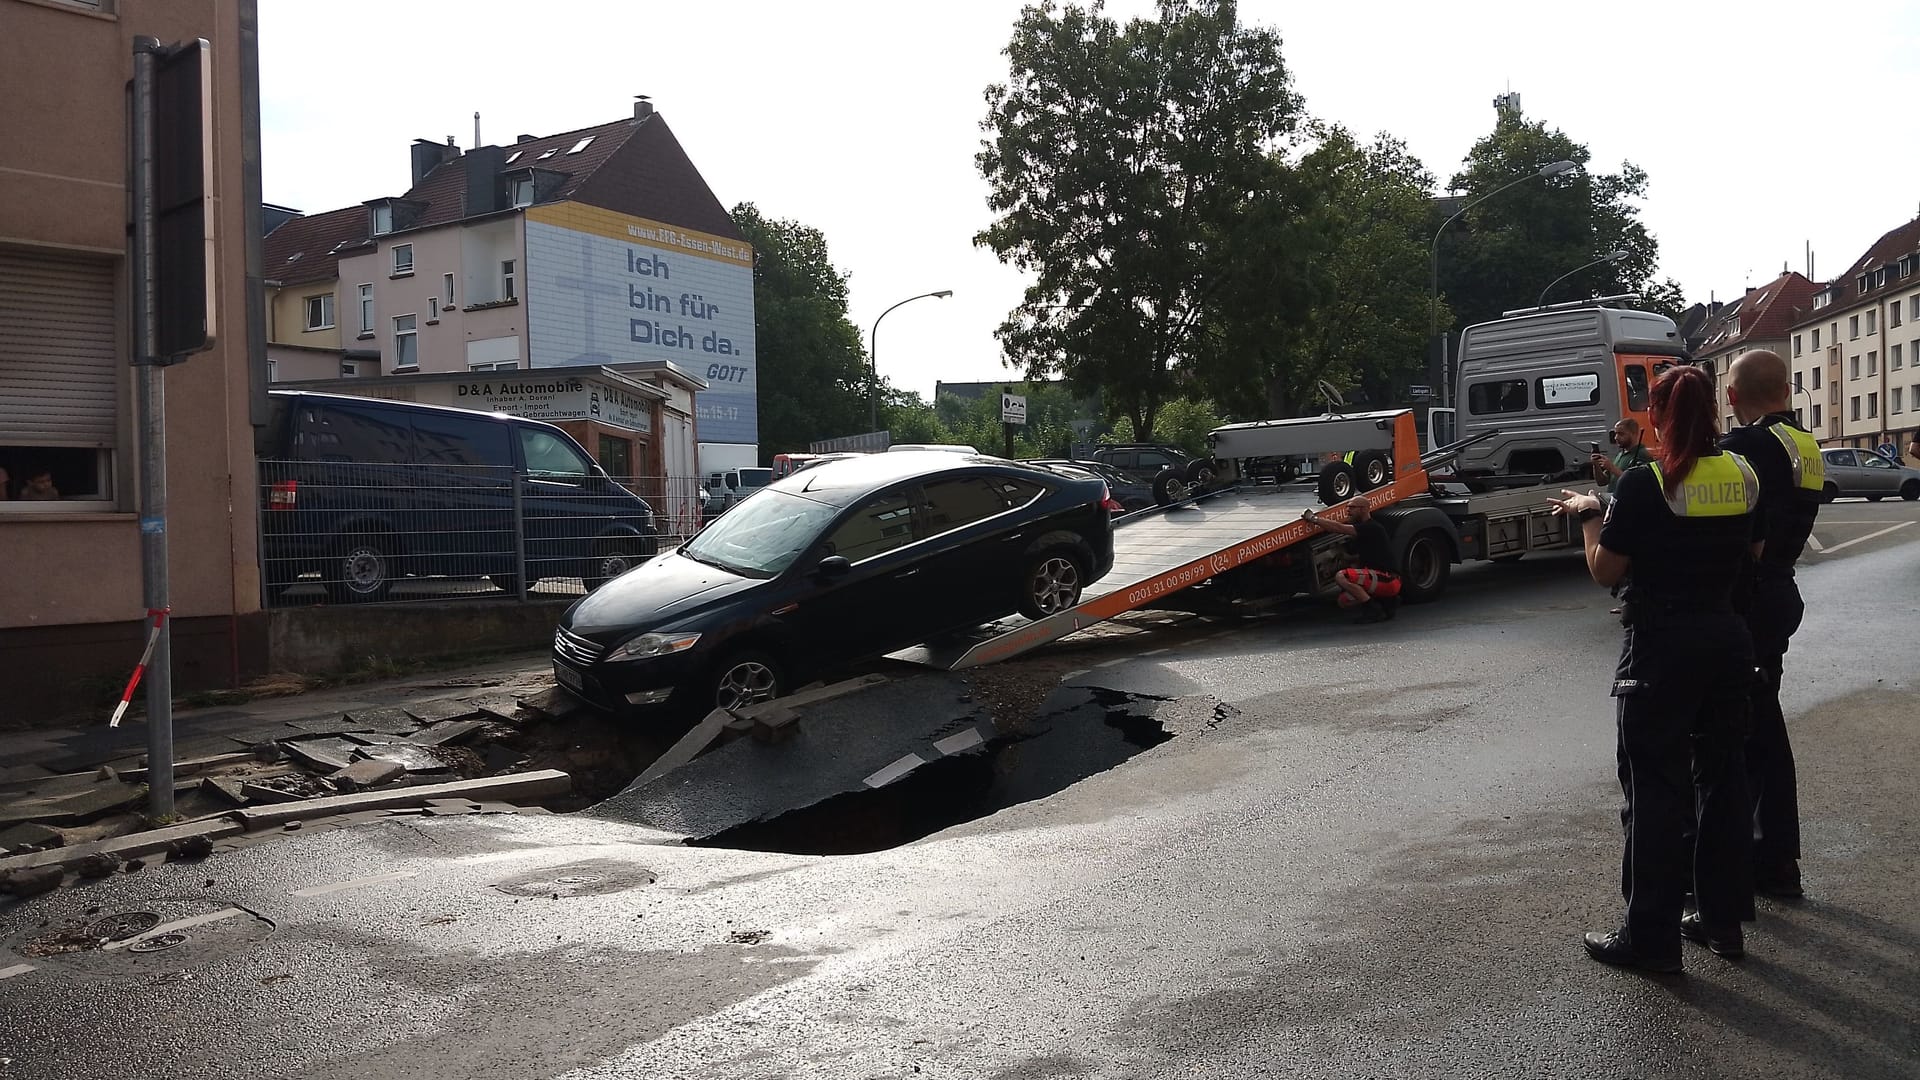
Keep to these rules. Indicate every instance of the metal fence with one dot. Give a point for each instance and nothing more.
(344, 532)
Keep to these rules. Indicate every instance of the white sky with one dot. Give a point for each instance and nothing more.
(1762, 126)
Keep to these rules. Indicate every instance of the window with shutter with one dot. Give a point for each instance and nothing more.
(60, 380)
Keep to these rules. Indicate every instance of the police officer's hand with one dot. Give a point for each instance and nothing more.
(1573, 503)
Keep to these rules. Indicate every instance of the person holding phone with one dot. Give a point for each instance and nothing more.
(1683, 526)
(1630, 450)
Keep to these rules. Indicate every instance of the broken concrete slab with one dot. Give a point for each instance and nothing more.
(31, 880)
(519, 786)
(410, 757)
(127, 847)
(33, 833)
(366, 773)
(328, 754)
(553, 703)
(77, 808)
(191, 765)
(259, 793)
(228, 788)
(430, 712)
(12, 775)
(451, 731)
(385, 721)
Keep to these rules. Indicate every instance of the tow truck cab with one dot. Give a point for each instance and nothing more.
(1553, 383)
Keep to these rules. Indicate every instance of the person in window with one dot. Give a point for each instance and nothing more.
(1684, 527)
(1631, 451)
(39, 486)
(6, 485)
(1372, 584)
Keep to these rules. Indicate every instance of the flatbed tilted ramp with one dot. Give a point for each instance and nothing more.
(1163, 551)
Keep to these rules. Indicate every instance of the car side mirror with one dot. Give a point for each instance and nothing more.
(832, 566)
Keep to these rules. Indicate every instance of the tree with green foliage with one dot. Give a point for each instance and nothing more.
(1506, 250)
(1363, 222)
(813, 374)
(1133, 173)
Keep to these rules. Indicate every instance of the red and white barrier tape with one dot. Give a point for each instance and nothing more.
(159, 617)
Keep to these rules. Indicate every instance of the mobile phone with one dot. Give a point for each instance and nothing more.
(1593, 448)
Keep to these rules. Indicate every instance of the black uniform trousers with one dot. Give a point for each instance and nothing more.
(1773, 614)
(1683, 690)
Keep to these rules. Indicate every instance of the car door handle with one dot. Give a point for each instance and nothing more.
(906, 573)
(1011, 537)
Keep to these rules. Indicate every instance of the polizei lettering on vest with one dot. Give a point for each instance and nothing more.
(1717, 494)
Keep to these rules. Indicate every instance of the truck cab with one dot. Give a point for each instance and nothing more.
(1553, 383)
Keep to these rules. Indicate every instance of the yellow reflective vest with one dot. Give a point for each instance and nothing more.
(1809, 468)
(1720, 485)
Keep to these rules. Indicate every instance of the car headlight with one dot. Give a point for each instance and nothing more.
(648, 646)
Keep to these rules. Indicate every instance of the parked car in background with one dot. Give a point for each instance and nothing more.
(363, 492)
(1130, 493)
(1866, 474)
(1142, 461)
(843, 561)
(727, 489)
(949, 448)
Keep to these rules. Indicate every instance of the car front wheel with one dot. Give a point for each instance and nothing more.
(1051, 585)
(743, 679)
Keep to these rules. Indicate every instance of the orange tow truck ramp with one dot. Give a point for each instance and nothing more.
(1161, 551)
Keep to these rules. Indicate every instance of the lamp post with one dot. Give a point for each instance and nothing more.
(1611, 256)
(1433, 292)
(873, 358)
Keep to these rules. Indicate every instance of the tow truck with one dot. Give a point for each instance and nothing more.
(1580, 366)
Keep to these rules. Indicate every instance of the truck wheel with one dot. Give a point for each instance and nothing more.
(1170, 486)
(1427, 562)
(1201, 475)
(1373, 467)
(1337, 481)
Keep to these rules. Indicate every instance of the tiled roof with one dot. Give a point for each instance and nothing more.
(651, 177)
(1763, 314)
(1887, 251)
(308, 248)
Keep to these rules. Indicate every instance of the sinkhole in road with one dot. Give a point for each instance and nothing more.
(1046, 755)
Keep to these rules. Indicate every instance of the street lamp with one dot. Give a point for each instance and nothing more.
(873, 358)
(1433, 293)
(1611, 256)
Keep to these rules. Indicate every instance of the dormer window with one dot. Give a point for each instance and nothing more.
(1821, 299)
(1860, 283)
(1879, 277)
(1906, 266)
(382, 218)
(520, 190)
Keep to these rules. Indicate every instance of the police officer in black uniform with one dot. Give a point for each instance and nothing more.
(1791, 478)
(1683, 526)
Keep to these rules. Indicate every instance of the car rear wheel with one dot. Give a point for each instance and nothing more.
(1337, 481)
(743, 679)
(1830, 493)
(1201, 474)
(1051, 585)
(1910, 490)
(363, 570)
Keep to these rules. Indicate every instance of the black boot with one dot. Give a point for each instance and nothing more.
(1614, 948)
(1724, 941)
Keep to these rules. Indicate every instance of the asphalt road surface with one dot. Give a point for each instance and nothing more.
(1375, 860)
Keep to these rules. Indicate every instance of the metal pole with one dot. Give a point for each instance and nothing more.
(873, 357)
(152, 405)
(519, 537)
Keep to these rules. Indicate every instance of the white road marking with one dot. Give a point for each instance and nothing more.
(177, 924)
(1154, 652)
(1869, 536)
(342, 886)
(965, 740)
(1814, 542)
(895, 771)
(17, 969)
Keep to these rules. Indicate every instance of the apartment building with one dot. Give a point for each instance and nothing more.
(1758, 320)
(71, 617)
(305, 309)
(1854, 346)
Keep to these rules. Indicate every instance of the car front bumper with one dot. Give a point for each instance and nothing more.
(629, 684)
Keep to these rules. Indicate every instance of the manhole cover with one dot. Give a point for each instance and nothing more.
(123, 926)
(580, 879)
(158, 943)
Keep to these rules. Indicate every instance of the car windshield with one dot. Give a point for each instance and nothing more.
(763, 535)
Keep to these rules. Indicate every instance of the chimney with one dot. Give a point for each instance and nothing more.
(484, 194)
(476, 129)
(642, 108)
(429, 155)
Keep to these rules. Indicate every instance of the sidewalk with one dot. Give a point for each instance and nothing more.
(36, 753)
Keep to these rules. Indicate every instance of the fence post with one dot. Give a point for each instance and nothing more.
(519, 537)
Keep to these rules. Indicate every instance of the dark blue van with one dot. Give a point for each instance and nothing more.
(363, 492)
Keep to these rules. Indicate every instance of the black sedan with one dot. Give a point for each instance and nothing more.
(847, 560)
(1130, 493)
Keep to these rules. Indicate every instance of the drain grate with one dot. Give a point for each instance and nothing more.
(124, 925)
(158, 943)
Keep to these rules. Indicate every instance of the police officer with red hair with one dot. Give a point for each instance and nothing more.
(1683, 526)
